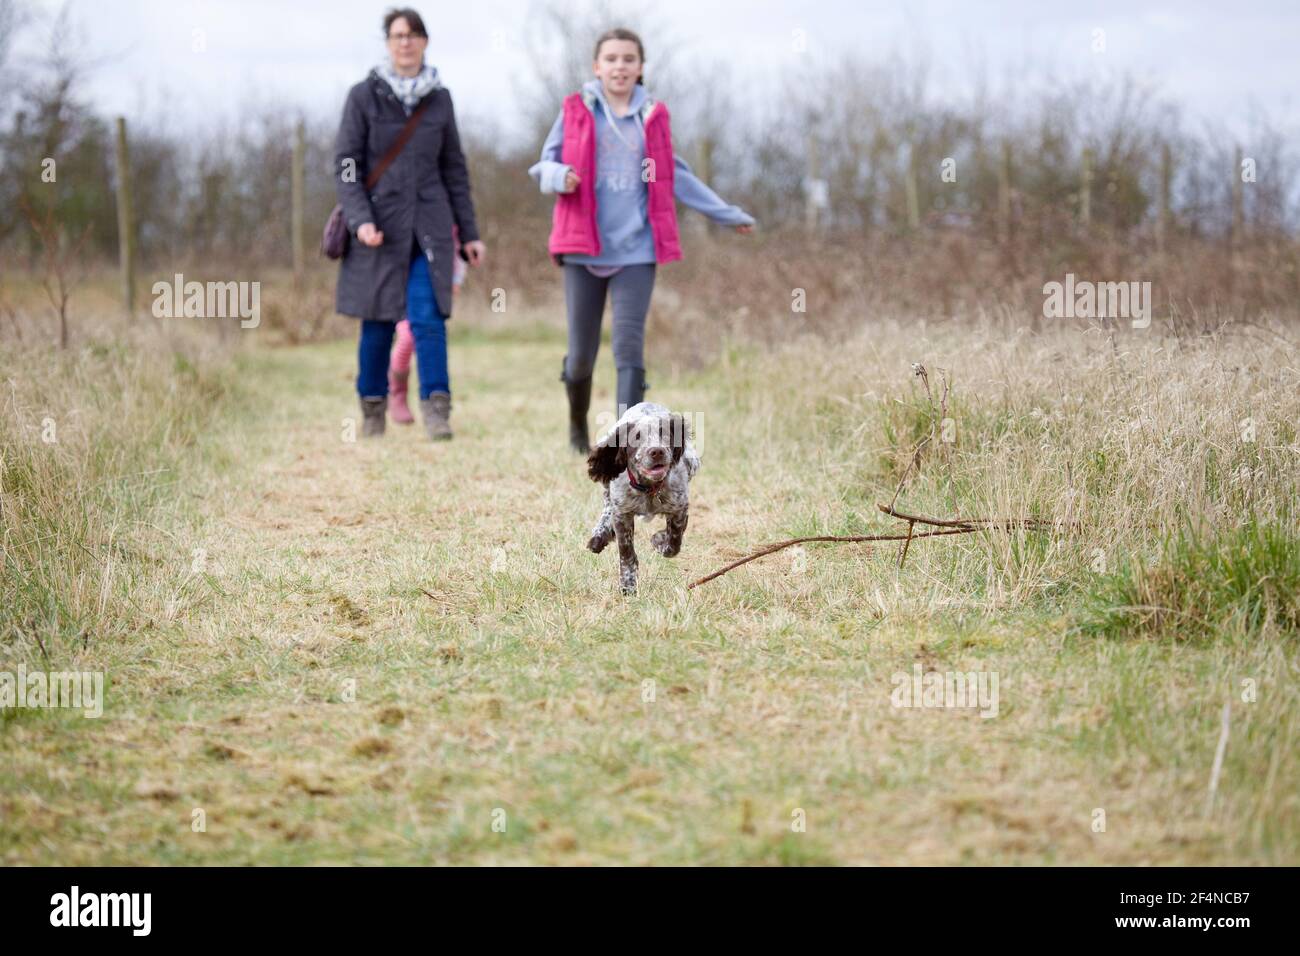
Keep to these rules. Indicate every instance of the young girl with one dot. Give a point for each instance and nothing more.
(609, 157)
(399, 368)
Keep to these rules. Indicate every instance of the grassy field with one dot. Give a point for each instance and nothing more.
(399, 652)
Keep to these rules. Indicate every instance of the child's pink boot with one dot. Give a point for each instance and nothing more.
(397, 407)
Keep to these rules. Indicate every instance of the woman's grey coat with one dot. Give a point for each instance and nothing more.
(423, 192)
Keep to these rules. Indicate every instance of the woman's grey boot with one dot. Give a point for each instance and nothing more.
(579, 393)
(436, 410)
(373, 414)
(631, 388)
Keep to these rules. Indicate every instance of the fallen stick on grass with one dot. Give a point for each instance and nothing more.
(975, 524)
(945, 526)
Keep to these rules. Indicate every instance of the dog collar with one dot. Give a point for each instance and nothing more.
(644, 489)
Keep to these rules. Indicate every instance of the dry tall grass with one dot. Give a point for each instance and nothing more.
(94, 443)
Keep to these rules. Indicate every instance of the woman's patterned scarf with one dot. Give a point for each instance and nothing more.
(410, 89)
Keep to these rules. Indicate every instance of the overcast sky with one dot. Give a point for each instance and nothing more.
(194, 61)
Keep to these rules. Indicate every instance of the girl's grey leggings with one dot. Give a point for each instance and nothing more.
(630, 289)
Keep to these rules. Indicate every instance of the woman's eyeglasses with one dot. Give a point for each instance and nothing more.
(401, 37)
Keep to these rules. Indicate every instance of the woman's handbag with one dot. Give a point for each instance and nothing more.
(335, 236)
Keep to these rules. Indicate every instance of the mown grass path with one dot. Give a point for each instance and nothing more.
(399, 652)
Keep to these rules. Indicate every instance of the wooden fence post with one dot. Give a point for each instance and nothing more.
(125, 223)
(299, 162)
(1085, 189)
(1166, 195)
(909, 189)
(1238, 201)
(705, 172)
(706, 159)
(1004, 193)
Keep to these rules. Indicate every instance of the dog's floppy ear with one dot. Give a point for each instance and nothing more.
(607, 459)
(678, 433)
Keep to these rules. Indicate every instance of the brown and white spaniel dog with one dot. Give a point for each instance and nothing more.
(646, 462)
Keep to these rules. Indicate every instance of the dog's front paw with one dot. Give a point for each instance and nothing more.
(627, 581)
(663, 544)
(598, 542)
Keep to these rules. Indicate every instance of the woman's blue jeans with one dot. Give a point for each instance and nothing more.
(428, 328)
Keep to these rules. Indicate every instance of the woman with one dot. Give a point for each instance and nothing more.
(400, 262)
